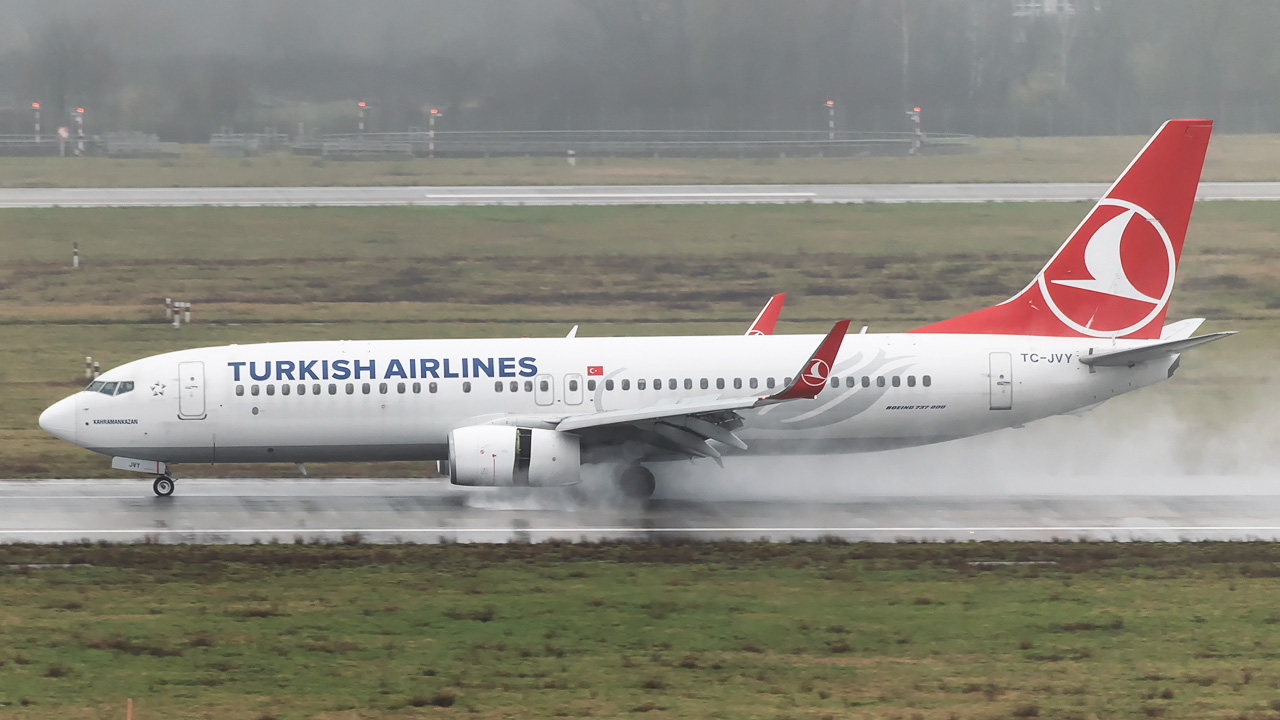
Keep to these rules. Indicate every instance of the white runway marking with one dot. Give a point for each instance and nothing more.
(688, 530)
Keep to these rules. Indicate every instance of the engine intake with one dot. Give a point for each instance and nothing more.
(504, 456)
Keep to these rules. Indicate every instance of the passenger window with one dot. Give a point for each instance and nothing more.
(911, 381)
(737, 383)
(573, 386)
(497, 386)
(124, 387)
(543, 386)
(626, 384)
(364, 388)
(239, 390)
(382, 388)
(271, 389)
(835, 382)
(432, 387)
(897, 381)
(302, 389)
(95, 386)
(866, 381)
(591, 385)
(926, 381)
(417, 388)
(351, 388)
(879, 381)
(688, 383)
(284, 389)
(786, 382)
(702, 384)
(640, 384)
(719, 383)
(253, 390)
(754, 384)
(671, 384)
(515, 386)
(768, 382)
(109, 389)
(850, 382)
(528, 386)
(608, 384)
(466, 386)
(315, 389)
(333, 388)
(400, 388)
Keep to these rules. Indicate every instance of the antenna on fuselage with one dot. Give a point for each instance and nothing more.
(572, 333)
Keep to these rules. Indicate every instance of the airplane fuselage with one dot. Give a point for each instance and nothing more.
(399, 399)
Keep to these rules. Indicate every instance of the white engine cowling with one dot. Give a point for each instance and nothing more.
(504, 456)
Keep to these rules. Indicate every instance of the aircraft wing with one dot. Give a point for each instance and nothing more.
(686, 427)
(1164, 348)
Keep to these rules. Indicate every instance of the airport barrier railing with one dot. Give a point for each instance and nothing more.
(246, 144)
(633, 144)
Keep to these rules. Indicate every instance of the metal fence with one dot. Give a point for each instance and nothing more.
(226, 144)
(739, 144)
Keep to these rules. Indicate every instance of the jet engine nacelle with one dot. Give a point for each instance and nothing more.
(504, 456)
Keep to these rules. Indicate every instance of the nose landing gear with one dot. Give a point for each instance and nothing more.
(163, 486)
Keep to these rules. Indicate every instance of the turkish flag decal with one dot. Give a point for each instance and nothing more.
(595, 370)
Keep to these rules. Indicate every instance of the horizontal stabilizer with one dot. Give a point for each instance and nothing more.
(1132, 356)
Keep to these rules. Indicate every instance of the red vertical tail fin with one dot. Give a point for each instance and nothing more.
(1114, 275)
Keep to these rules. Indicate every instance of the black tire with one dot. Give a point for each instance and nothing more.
(163, 486)
(636, 483)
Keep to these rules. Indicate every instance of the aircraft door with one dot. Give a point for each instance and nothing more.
(1001, 381)
(191, 391)
(573, 389)
(544, 391)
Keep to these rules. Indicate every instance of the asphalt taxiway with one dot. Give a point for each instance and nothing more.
(425, 511)
(592, 195)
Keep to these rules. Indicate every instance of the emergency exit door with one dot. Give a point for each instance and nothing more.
(1001, 381)
(191, 391)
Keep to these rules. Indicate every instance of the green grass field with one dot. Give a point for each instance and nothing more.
(1059, 159)
(332, 273)
(740, 630)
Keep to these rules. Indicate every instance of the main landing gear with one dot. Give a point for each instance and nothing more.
(636, 483)
(163, 486)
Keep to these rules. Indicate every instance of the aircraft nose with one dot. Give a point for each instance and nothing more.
(59, 419)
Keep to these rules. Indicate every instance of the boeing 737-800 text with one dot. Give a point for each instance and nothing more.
(531, 412)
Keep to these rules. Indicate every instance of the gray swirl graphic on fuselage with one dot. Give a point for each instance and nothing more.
(846, 403)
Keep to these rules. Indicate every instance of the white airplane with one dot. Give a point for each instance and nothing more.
(531, 412)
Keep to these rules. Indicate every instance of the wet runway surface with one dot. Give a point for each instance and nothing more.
(427, 511)
(593, 195)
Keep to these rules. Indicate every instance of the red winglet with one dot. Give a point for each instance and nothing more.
(815, 371)
(768, 317)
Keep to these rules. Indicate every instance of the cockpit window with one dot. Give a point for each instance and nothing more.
(110, 388)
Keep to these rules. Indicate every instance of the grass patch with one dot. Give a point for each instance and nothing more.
(1050, 159)
(752, 638)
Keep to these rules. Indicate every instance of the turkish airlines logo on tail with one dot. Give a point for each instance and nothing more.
(1117, 280)
(816, 374)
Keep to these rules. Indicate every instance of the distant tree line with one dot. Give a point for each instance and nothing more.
(185, 68)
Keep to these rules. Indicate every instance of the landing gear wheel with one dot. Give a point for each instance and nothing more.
(163, 486)
(636, 483)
